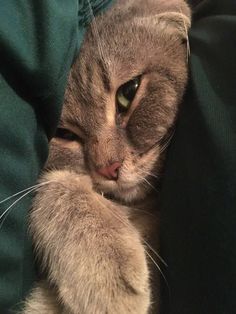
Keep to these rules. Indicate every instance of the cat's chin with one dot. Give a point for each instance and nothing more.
(130, 195)
(126, 194)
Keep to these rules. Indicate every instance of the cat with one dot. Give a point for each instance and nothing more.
(95, 218)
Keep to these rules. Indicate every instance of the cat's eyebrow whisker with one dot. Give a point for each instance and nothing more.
(96, 33)
(187, 37)
(28, 191)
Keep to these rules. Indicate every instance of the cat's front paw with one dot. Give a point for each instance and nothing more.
(66, 179)
(94, 255)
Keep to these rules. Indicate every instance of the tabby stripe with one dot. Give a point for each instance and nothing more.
(104, 76)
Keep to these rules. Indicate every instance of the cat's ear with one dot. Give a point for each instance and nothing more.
(175, 23)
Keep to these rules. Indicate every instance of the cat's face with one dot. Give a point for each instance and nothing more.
(121, 102)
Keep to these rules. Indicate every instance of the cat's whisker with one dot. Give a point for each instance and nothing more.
(167, 143)
(153, 188)
(187, 37)
(28, 191)
(147, 182)
(18, 193)
(150, 185)
(162, 140)
(4, 215)
(96, 34)
(157, 255)
(116, 215)
(149, 174)
(164, 147)
(143, 211)
(159, 268)
(151, 258)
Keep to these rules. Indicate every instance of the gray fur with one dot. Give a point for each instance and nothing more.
(90, 232)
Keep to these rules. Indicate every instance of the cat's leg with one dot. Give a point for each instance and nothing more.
(41, 300)
(94, 255)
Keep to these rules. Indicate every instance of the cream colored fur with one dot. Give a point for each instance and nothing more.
(103, 273)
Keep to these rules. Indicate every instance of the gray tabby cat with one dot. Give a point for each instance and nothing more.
(95, 221)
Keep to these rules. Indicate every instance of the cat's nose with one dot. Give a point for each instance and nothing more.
(110, 172)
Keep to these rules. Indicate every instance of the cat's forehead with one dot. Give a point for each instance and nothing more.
(114, 52)
(126, 49)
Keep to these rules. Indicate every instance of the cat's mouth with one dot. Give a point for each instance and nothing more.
(120, 191)
(137, 177)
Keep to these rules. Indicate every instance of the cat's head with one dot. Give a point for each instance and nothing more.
(123, 96)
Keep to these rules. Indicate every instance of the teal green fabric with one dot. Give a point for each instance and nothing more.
(38, 42)
(198, 227)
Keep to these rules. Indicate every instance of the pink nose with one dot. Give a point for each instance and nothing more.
(110, 172)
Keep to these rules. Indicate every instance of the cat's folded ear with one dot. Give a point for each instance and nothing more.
(175, 23)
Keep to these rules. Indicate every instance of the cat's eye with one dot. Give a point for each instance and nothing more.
(126, 93)
(66, 135)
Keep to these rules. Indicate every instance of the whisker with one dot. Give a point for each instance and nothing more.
(157, 255)
(151, 258)
(96, 33)
(29, 190)
(3, 216)
(159, 268)
(149, 174)
(18, 193)
(150, 185)
(146, 181)
(187, 37)
(166, 144)
(162, 140)
(143, 211)
(114, 214)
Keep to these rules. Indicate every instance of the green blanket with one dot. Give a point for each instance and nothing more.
(38, 41)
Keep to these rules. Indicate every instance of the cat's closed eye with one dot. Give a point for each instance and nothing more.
(67, 135)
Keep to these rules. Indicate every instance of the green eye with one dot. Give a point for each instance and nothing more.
(126, 94)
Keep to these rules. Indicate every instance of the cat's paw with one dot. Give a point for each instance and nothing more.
(94, 255)
(109, 272)
(67, 179)
(41, 300)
